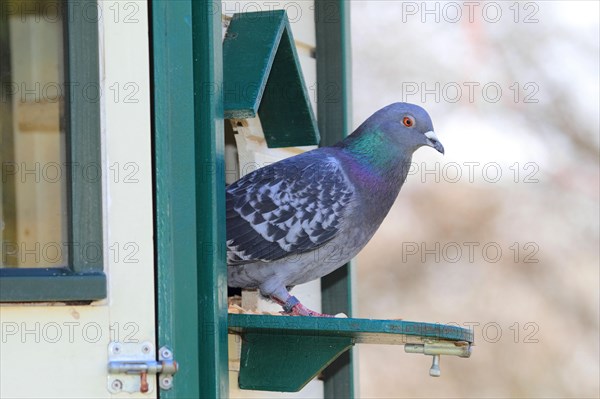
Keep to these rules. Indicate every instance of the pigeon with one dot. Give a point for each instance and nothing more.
(301, 218)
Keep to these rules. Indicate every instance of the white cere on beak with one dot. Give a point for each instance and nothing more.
(431, 135)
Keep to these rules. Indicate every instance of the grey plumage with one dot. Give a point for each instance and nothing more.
(303, 217)
(290, 207)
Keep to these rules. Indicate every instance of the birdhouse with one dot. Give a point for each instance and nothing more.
(261, 69)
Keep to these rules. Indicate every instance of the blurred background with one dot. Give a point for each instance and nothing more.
(502, 233)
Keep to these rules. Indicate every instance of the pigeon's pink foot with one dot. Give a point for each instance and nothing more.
(293, 307)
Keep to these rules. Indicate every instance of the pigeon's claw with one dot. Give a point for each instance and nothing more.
(293, 307)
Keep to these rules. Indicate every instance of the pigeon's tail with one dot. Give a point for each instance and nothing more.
(233, 291)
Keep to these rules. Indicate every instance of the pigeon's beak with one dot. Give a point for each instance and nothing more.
(433, 141)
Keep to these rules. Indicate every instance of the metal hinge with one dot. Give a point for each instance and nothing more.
(130, 363)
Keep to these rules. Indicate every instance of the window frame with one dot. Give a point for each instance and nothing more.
(83, 280)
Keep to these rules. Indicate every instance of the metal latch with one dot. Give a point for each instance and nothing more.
(437, 348)
(130, 363)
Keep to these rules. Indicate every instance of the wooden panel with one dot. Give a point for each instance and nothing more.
(46, 342)
(249, 50)
(262, 76)
(366, 331)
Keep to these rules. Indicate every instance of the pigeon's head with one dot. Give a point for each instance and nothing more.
(408, 126)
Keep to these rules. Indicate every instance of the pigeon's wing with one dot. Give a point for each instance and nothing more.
(290, 207)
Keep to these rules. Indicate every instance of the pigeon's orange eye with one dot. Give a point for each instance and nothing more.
(408, 121)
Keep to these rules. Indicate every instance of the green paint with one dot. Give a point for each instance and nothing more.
(83, 135)
(367, 331)
(275, 361)
(262, 76)
(334, 99)
(210, 199)
(282, 353)
(175, 191)
(51, 285)
(190, 198)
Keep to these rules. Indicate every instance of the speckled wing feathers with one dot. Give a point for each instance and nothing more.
(287, 208)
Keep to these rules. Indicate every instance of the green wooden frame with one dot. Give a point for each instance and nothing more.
(334, 103)
(174, 180)
(210, 198)
(83, 280)
(189, 194)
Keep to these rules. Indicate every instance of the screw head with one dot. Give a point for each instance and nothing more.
(146, 349)
(117, 385)
(166, 382)
(116, 349)
(166, 353)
